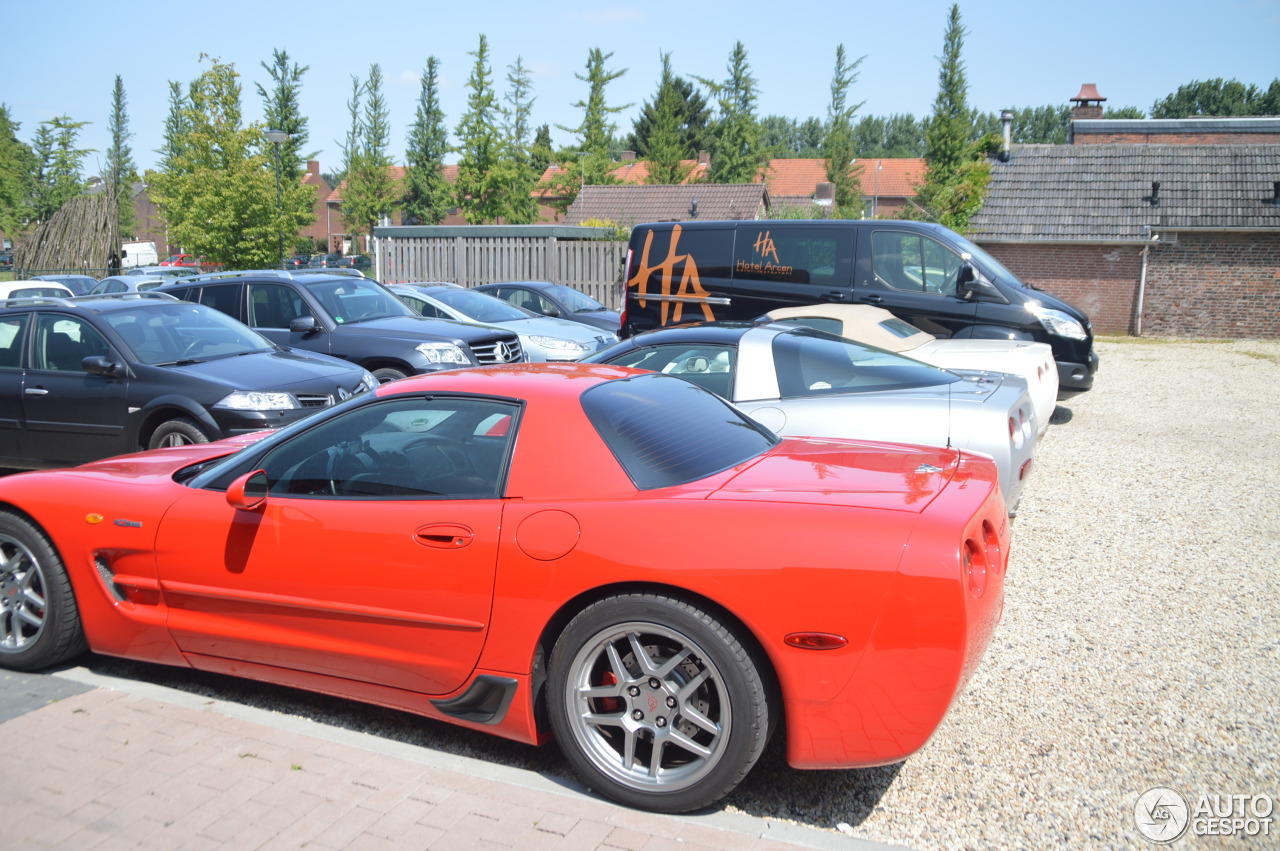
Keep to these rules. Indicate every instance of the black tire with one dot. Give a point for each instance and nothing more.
(645, 729)
(39, 621)
(177, 432)
(387, 373)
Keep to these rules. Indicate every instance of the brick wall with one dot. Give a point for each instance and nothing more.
(1214, 285)
(1100, 280)
(1201, 285)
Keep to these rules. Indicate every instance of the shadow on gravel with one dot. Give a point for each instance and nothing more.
(1060, 415)
(772, 790)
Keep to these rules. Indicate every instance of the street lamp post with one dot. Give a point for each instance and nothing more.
(276, 137)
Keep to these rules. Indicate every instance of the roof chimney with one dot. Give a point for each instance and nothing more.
(628, 156)
(1088, 104)
(704, 158)
(1006, 134)
(313, 167)
(825, 194)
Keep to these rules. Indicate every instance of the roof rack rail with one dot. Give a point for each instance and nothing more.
(221, 276)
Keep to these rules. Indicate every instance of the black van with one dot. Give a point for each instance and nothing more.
(927, 275)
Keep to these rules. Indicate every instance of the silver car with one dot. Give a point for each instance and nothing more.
(803, 382)
(543, 338)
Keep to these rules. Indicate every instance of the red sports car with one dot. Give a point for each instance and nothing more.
(616, 558)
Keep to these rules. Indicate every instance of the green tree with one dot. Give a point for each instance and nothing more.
(282, 110)
(58, 177)
(176, 127)
(591, 160)
(521, 209)
(1135, 112)
(350, 145)
(896, 135)
(428, 195)
(17, 176)
(693, 117)
(219, 195)
(736, 153)
(480, 187)
(958, 172)
(666, 144)
(541, 152)
(121, 171)
(838, 146)
(1218, 97)
(371, 192)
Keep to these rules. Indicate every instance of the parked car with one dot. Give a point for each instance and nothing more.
(78, 284)
(875, 326)
(297, 261)
(563, 302)
(87, 377)
(6, 260)
(171, 273)
(543, 338)
(925, 274)
(799, 381)
(127, 284)
(355, 261)
(322, 261)
(33, 289)
(188, 260)
(685, 584)
(351, 317)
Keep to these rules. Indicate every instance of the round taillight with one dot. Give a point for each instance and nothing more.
(975, 567)
(991, 541)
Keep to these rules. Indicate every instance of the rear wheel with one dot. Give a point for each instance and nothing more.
(39, 622)
(177, 432)
(656, 703)
(387, 373)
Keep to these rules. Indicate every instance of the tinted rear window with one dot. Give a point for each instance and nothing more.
(814, 363)
(665, 431)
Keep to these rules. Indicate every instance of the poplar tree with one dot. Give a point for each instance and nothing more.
(176, 126)
(282, 110)
(121, 171)
(837, 147)
(17, 175)
(667, 150)
(736, 154)
(428, 195)
(371, 192)
(591, 162)
(480, 187)
(58, 177)
(521, 208)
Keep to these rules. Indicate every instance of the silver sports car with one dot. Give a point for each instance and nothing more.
(803, 382)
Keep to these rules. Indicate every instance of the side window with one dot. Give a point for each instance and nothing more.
(224, 298)
(428, 309)
(63, 342)
(274, 306)
(406, 448)
(914, 263)
(710, 367)
(796, 255)
(11, 338)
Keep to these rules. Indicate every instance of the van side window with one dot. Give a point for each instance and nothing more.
(795, 255)
(914, 263)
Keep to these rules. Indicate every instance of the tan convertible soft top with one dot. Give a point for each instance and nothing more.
(863, 323)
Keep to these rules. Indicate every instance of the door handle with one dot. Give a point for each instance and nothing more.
(36, 391)
(873, 299)
(444, 536)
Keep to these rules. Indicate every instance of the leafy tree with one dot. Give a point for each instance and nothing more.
(838, 146)
(1128, 112)
(371, 192)
(219, 195)
(592, 160)
(888, 136)
(522, 209)
(693, 118)
(958, 172)
(541, 153)
(121, 171)
(480, 187)
(428, 195)
(350, 146)
(1218, 97)
(787, 138)
(58, 177)
(736, 154)
(17, 176)
(176, 127)
(282, 111)
(666, 145)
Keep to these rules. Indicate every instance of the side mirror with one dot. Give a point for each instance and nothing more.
(304, 325)
(551, 310)
(100, 365)
(970, 286)
(249, 491)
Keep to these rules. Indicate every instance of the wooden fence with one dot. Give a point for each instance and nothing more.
(592, 266)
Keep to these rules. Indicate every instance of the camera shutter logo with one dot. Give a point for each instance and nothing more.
(1162, 815)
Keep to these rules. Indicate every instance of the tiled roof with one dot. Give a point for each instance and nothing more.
(1103, 193)
(794, 177)
(630, 204)
(397, 175)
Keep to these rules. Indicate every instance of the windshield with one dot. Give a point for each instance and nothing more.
(479, 306)
(353, 299)
(577, 302)
(180, 333)
(986, 261)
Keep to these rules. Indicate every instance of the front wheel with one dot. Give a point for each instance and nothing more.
(177, 432)
(656, 703)
(39, 621)
(388, 374)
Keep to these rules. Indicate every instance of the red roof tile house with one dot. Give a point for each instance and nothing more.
(629, 204)
(887, 184)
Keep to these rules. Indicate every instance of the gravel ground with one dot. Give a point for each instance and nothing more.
(1140, 644)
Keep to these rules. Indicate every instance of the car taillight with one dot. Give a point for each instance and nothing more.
(991, 542)
(975, 567)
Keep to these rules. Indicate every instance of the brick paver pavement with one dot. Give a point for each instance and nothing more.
(107, 769)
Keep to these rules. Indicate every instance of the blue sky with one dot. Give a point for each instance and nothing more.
(1016, 54)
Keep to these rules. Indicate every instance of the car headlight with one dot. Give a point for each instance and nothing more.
(258, 400)
(1057, 322)
(443, 353)
(560, 344)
